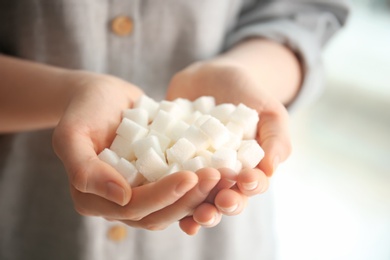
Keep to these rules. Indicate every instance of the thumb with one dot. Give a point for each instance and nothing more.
(86, 172)
(274, 138)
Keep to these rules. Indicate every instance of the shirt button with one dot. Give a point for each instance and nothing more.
(122, 25)
(117, 233)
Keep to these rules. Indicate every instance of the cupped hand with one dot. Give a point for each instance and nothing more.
(227, 82)
(87, 127)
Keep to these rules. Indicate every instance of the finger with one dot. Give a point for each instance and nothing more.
(230, 202)
(274, 138)
(145, 199)
(207, 215)
(228, 180)
(189, 226)
(252, 182)
(86, 172)
(207, 179)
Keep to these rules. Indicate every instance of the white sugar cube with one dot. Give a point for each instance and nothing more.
(197, 137)
(204, 104)
(238, 167)
(243, 113)
(149, 104)
(250, 153)
(151, 166)
(181, 151)
(163, 122)
(250, 131)
(174, 167)
(233, 142)
(235, 129)
(108, 156)
(185, 105)
(206, 154)
(191, 118)
(170, 136)
(247, 118)
(216, 131)
(129, 172)
(164, 141)
(177, 130)
(172, 108)
(194, 164)
(122, 147)
(137, 115)
(223, 111)
(200, 120)
(144, 144)
(224, 158)
(130, 130)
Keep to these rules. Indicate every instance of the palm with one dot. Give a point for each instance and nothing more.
(229, 84)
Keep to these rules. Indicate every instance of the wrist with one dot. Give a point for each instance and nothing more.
(271, 65)
(31, 94)
(109, 88)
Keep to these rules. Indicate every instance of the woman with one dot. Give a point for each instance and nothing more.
(73, 66)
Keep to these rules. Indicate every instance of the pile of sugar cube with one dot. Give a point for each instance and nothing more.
(155, 139)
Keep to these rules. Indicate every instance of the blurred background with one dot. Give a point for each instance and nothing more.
(333, 194)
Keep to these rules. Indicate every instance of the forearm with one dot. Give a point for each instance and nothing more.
(32, 95)
(272, 66)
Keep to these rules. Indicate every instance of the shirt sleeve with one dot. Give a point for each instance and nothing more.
(303, 26)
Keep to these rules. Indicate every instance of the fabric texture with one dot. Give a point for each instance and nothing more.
(37, 219)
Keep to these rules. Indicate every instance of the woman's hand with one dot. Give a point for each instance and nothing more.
(88, 126)
(231, 83)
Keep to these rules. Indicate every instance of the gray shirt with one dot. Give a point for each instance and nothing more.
(37, 219)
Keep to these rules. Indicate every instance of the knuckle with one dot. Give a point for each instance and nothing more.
(154, 226)
(62, 134)
(80, 207)
(79, 179)
(131, 214)
(82, 211)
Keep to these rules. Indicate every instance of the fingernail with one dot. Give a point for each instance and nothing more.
(230, 209)
(230, 182)
(210, 222)
(250, 186)
(275, 163)
(194, 231)
(115, 193)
